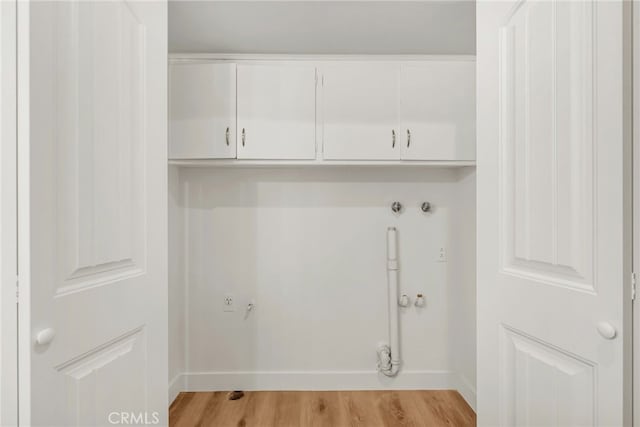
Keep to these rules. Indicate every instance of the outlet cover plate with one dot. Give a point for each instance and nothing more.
(229, 303)
(442, 254)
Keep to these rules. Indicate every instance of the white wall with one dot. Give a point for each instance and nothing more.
(462, 267)
(307, 245)
(322, 27)
(177, 344)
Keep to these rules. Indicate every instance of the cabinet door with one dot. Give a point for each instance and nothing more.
(202, 104)
(360, 114)
(438, 110)
(276, 111)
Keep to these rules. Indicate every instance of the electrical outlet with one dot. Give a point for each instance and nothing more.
(229, 303)
(442, 254)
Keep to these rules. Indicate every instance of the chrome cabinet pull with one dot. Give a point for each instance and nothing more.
(243, 137)
(393, 138)
(226, 134)
(408, 138)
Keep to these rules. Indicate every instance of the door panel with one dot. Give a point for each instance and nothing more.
(360, 111)
(107, 380)
(276, 111)
(545, 386)
(100, 145)
(548, 180)
(202, 111)
(438, 110)
(553, 225)
(97, 171)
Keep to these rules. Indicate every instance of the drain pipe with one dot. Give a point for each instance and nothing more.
(389, 354)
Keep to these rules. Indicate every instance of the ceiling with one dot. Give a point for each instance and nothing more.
(322, 27)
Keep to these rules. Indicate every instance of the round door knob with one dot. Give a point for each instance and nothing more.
(607, 330)
(45, 336)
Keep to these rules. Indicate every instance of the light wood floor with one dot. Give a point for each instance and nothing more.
(322, 408)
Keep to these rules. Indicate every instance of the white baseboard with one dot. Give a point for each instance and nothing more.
(323, 380)
(466, 390)
(176, 385)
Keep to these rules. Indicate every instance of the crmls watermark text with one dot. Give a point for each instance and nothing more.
(133, 418)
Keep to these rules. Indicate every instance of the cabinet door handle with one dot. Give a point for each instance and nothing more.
(243, 137)
(408, 138)
(226, 135)
(393, 138)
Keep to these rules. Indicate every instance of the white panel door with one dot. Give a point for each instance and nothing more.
(202, 111)
(360, 111)
(554, 237)
(276, 111)
(438, 110)
(93, 175)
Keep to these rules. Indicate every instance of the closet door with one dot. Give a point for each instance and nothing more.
(93, 197)
(360, 111)
(438, 110)
(202, 111)
(554, 213)
(276, 111)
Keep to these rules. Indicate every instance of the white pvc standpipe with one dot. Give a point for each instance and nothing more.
(392, 278)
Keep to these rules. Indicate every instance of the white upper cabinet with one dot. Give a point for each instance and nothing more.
(276, 111)
(367, 110)
(360, 111)
(202, 111)
(437, 110)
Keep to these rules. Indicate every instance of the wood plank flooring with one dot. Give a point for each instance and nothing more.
(322, 408)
